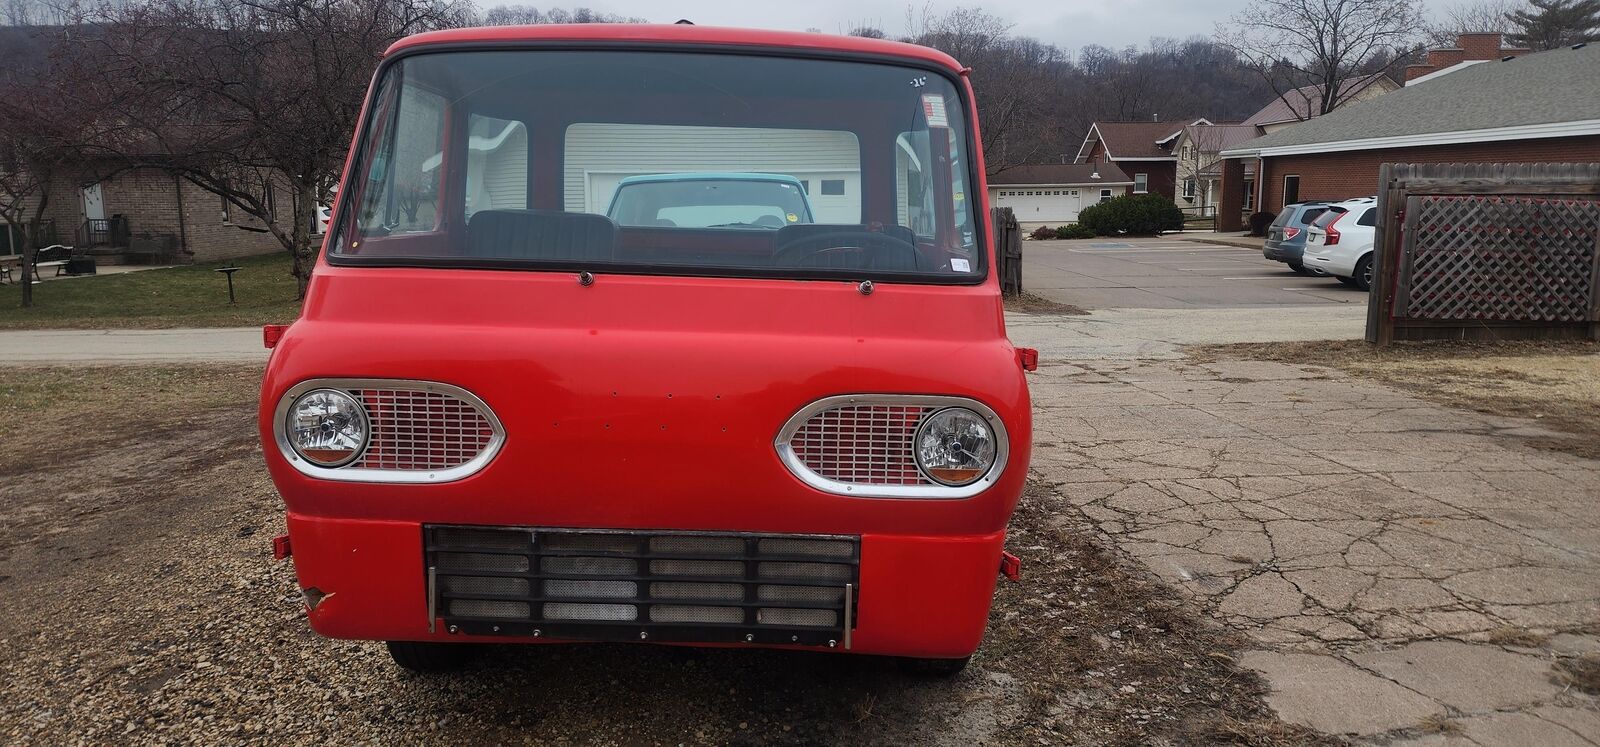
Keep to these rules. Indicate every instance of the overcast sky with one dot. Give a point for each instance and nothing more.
(1066, 23)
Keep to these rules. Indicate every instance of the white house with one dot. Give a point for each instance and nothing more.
(1053, 193)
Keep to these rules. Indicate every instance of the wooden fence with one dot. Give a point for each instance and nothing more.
(1007, 250)
(1486, 252)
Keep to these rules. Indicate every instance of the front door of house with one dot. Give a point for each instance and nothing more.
(94, 203)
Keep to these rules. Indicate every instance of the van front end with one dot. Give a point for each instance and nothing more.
(713, 418)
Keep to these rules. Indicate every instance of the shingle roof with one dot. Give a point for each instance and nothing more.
(1547, 88)
(1059, 173)
(1294, 106)
(1136, 139)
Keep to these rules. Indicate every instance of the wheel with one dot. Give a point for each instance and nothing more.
(934, 667)
(1347, 281)
(1363, 278)
(1299, 268)
(431, 657)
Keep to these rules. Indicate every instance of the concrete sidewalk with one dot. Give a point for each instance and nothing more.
(1408, 573)
(54, 346)
(1161, 333)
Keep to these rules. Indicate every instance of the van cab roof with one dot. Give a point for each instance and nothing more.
(684, 34)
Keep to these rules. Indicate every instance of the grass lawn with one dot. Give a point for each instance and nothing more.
(192, 296)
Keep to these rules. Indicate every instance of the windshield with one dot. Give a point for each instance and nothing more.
(664, 163)
(690, 201)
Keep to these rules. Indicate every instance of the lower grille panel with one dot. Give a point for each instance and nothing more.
(655, 586)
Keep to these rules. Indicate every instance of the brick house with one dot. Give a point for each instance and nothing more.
(149, 208)
(1514, 107)
(1142, 150)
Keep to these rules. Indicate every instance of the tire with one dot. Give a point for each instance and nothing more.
(425, 658)
(937, 668)
(1350, 282)
(1299, 269)
(1363, 278)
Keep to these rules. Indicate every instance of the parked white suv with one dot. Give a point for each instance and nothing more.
(1340, 241)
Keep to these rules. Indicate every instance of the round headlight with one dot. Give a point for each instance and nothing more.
(955, 446)
(327, 427)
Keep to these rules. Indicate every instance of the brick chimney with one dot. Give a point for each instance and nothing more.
(1471, 46)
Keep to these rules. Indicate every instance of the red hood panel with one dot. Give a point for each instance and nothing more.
(647, 401)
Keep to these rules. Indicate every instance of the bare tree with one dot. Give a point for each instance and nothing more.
(37, 130)
(247, 99)
(1482, 16)
(527, 15)
(1310, 51)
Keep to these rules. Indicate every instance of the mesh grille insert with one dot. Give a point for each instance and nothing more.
(863, 444)
(419, 430)
(657, 586)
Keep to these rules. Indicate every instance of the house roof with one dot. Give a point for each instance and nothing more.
(1133, 140)
(1059, 173)
(1547, 94)
(1295, 106)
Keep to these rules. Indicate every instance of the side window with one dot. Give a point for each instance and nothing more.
(1369, 218)
(497, 164)
(1311, 215)
(402, 189)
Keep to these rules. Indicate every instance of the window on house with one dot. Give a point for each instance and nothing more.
(1291, 189)
(805, 186)
(272, 202)
(1249, 195)
(1105, 194)
(1141, 183)
(833, 186)
(1188, 189)
(227, 211)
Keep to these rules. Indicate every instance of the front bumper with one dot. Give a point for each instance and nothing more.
(922, 596)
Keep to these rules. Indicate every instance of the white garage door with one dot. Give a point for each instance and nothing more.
(1040, 205)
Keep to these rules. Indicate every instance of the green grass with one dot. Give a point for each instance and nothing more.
(192, 296)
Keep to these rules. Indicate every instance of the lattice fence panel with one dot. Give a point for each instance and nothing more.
(1502, 257)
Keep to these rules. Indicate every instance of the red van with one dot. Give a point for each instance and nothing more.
(504, 417)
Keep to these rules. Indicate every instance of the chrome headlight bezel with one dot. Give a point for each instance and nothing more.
(359, 416)
(933, 489)
(352, 471)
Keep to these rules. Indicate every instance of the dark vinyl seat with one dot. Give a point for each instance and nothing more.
(541, 234)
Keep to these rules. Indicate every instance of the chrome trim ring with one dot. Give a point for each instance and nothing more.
(361, 474)
(934, 490)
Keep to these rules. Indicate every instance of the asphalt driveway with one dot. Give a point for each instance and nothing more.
(1172, 273)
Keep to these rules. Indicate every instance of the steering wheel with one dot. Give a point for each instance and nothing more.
(851, 250)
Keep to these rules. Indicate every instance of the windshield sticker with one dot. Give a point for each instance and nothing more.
(792, 217)
(933, 109)
(960, 265)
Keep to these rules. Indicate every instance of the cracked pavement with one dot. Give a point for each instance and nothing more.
(1407, 572)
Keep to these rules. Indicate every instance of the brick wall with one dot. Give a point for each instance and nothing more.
(1340, 176)
(148, 198)
(1163, 175)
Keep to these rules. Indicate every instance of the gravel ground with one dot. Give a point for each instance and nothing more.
(142, 605)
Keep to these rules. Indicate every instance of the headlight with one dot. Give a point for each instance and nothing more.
(955, 446)
(327, 427)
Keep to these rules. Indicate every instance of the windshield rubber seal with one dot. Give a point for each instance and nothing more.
(981, 225)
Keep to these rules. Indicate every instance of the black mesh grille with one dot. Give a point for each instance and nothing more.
(658, 586)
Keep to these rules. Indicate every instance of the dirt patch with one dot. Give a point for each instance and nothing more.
(141, 604)
(1029, 303)
(1556, 384)
(1581, 673)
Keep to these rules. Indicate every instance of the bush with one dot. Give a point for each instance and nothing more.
(1132, 214)
(1259, 222)
(1042, 233)
(1074, 231)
